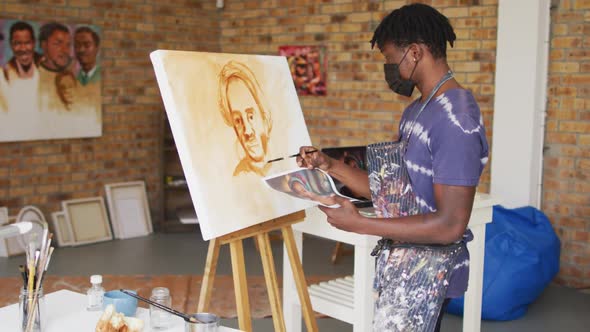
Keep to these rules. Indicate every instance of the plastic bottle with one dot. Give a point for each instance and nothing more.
(95, 293)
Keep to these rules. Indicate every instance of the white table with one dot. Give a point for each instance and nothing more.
(350, 299)
(66, 311)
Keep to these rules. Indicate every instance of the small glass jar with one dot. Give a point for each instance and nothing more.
(95, 294)
(160, 319)
(206, 322)
(23, 310)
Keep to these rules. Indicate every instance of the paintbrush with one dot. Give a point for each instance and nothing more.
(186, 317)
(291, 156)
(21, 268)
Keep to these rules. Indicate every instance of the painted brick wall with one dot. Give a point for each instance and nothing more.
(566, 178)
(43, 173)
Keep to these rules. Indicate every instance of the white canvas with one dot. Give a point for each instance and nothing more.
(128, 209)
(224, 153)
(63, 230)
(88, 220)
(3, 216)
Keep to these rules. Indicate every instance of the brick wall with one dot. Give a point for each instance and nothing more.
(566, 176)
(43, 173)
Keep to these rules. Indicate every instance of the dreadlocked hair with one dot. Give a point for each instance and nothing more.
(416, 23)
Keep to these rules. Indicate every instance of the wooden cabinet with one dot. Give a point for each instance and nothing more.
(178, 211)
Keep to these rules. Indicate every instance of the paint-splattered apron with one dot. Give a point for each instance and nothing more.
(411, 280)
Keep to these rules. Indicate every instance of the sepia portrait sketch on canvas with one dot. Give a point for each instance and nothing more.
(243, 108)
(230, 114)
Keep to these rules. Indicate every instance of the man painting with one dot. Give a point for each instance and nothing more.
(242, 107)
(86, 45)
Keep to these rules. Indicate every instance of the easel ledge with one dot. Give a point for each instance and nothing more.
(261, 233)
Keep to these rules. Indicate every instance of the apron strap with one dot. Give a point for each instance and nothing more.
(442, 81)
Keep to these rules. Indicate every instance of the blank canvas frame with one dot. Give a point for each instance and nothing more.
(129, 209)
(88, 219)
(3, 216)
(3, 221)
(62, 229)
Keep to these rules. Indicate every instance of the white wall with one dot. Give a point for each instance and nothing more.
(520, 101)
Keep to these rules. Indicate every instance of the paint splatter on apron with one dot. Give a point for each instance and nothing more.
(411, 280)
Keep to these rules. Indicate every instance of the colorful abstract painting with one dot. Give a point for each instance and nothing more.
(50, 81)
(230, 114)
(308, 68)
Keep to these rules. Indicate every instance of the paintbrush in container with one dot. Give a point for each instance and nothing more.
(184, 316)
(37, 266)
(23, 273)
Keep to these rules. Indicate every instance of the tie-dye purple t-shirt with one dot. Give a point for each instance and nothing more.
(448, 146)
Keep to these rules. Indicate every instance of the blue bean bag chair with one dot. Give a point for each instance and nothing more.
(521, 258)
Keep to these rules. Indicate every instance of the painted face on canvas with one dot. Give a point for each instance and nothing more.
(57, 49)
(247, 120)
(22, 45)
(86, 49)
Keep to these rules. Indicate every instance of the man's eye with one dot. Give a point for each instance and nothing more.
(237, 118)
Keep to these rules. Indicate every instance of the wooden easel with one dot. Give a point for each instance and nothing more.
(260, 233)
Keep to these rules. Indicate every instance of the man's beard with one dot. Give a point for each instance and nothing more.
(58, 67)
(26, 68)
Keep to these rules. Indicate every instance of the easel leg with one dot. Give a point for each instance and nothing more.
(270, 276)
(240, 285)
(209, 276)
(336, 252)
(295, 261)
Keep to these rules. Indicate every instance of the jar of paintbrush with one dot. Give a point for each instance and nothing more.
(25, 310)
(31, 299)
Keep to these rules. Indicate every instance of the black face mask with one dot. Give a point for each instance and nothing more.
(395, 81)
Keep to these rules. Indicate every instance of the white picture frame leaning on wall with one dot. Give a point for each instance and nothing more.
(3, 221)
(63, 230)
(88, 219)
(3, 215)
(129, 209)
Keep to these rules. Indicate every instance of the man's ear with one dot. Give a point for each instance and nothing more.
(416, 52)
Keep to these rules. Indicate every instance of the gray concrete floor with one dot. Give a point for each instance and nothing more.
(558, 309)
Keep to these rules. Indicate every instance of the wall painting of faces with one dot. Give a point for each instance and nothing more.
(229, 115)
(308, 68)
(50, 81)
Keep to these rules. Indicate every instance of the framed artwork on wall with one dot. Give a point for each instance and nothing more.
(50, 80)
(129, 209)
(307, 65)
